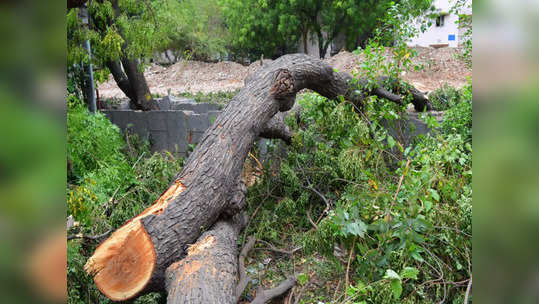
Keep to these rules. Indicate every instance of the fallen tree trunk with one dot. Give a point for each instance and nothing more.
(208, 273)
(134, 259)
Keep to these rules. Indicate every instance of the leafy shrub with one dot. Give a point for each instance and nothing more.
(399, 210)
(445, 97)
(458, 119)
(92, 141)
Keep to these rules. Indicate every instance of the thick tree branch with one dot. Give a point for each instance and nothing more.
(208, 273)
(263, 296)
(121, 79)
(276, 128)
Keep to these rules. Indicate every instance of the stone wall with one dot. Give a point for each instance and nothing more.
(171, 130)
(186, 121)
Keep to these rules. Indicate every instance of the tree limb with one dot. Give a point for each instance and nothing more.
(263, 296)
(244, 278)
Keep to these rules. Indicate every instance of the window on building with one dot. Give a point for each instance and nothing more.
(440, 20)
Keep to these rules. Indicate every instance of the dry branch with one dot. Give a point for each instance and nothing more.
(263, 296)
(244, 278)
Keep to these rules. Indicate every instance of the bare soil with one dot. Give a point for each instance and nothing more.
(440, 66)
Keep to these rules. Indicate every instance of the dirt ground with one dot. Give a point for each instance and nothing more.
(440, 66)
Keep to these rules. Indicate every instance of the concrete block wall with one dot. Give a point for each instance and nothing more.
(170, 130)
(173, 130)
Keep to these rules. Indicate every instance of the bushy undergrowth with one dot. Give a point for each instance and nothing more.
(111, 179)
(399, 218)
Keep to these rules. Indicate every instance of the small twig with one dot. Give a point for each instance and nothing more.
(273, 248)
(470, 282)
(300, 293)
(89, 237)
(336, 289)
(288, 299)
(349, 260)
(249, 223)
(259, 164)
(315, 224)
(107, 205)
(466, 296)
(138, 159)
(310, 219)
(398, 189)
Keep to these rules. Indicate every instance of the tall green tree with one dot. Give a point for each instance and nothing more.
(264, 25)
(200, 32)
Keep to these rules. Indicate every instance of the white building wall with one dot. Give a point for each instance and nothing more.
(439, 35)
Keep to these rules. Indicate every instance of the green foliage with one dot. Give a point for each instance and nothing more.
(464, 22)
(397, 208)
(458, 119)
(137, 29)
(270, 27)
(83, 128)
(199, 29)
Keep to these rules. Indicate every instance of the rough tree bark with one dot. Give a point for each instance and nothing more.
(134, 259)
(121, 79)
(208, 273)
(141, 97)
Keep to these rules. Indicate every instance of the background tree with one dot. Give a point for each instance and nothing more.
(261, 26)
(199, 29)
(122, 34)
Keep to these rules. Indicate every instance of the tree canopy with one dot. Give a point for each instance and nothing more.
(268, 26)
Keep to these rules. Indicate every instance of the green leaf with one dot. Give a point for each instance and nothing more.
(396, 287)
(302, 278)
(434, 194)
(357, 228)
(417, 256)
(392, 275)
(428, 205)
(390, 141)
(409, 273)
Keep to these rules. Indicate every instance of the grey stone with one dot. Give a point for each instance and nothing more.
(163, 103)
(197, 122)
(159, 141)
(171, 130)
(122, 104)
(406, 129)
(212, 116)
(157, 120)
(138, 124)
(121, 118)
(177, 131)
(196, 137)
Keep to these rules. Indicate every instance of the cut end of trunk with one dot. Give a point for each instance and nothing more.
(123, 265)
(123, 269)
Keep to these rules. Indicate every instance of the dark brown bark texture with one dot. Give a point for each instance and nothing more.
(121, 79)
(141, 98)
(212, 174)
(208, 273)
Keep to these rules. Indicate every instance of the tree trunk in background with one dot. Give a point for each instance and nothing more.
(141, 97)
(135, 258)
(121, 79)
